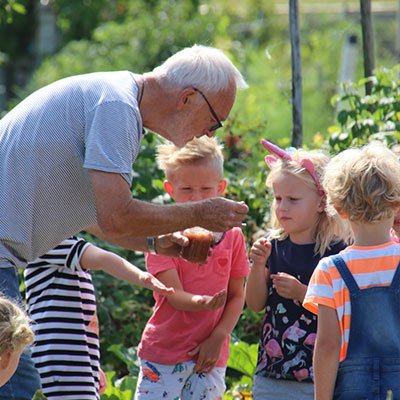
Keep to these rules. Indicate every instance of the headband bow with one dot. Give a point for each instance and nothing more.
(279, 153)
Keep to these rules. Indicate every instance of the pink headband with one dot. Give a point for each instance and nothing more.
(284, 155)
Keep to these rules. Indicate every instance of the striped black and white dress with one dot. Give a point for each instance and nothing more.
(61, 301)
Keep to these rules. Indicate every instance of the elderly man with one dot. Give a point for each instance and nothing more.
(66, 156)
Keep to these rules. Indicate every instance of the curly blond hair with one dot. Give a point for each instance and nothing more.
(364, 184)
(329, 228)
(170, 157)
(15, 329)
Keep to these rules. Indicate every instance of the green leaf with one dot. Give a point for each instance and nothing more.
(18, 8)
(243, 357)
(342, 117)
(39, 396)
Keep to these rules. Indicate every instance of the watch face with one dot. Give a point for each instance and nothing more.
(151, 244)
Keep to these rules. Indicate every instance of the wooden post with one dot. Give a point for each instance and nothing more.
(398, 31)
(368, 42)
(297, 107)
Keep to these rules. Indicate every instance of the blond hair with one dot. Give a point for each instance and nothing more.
(329, 228)
(170, 157)
(15, 330)
(364, 184)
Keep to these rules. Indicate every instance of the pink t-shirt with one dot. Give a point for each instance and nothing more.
(170, 333)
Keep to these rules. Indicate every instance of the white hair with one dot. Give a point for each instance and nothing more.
(206, 68)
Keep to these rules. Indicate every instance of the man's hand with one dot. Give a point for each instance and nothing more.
(171, 244)
(219, 214)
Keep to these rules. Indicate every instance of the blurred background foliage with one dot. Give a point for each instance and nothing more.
(137, 35)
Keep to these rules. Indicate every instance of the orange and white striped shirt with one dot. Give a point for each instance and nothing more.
(370, 266)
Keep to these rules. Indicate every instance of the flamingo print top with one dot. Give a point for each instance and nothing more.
(289, 330)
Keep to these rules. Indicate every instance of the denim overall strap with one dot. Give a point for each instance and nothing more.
(345, 274)
(372, 363)
(396, 279)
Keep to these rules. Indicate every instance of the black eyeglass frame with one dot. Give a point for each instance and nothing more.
(219, 123)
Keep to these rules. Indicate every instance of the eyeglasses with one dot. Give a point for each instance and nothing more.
(219, 123)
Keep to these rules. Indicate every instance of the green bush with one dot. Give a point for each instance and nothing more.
(363, 118)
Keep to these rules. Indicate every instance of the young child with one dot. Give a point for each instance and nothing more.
(356, 293)
(61, 301)
(185, 344)
(282, 264)
(395, 231)
(15, 335)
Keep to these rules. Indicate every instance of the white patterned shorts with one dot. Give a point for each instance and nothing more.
(179, 382)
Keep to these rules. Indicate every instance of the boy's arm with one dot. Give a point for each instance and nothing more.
(326, 353)
(209, 351)
(95, 258)
(185, 301)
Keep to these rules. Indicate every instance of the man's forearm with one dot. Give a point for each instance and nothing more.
(127, 242)
(143, 219)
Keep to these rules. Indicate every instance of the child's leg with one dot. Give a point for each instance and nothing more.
(209, 386)
(160, 381)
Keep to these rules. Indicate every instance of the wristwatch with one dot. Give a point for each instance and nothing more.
(151, 244)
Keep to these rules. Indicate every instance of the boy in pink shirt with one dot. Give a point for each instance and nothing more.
(185, 344)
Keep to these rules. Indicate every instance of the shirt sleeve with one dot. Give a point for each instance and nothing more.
(240, 262)
(156, 264)
(65, 255)
(320, 289)
(112, 139)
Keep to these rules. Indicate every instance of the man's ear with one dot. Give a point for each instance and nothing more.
(169, 188)
(221, 186)
(185, 97)
(5, 360)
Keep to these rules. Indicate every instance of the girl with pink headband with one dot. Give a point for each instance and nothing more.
(302, 231)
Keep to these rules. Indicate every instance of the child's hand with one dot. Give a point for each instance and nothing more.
(207, 354)
(260, 251)
(150, 282)
(288, 286)
(211, 302)
(102, 381)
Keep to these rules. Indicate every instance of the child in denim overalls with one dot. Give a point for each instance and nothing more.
(357, 293)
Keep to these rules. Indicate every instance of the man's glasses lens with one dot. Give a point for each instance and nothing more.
(213, 113)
